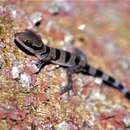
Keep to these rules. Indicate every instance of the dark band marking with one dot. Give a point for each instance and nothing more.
(43, 53)
(127, 95)
(62, 57)
(57, 56)
(67, 56)
(87, 67)
(53, 53)
(120, 87)
(47, 50)
(77, 60)
(99, 73)
(111, 80)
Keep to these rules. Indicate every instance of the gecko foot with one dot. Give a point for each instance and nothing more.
(69, 85)
(66, 88)
(40, 64)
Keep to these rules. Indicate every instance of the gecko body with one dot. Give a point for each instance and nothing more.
(31, 43)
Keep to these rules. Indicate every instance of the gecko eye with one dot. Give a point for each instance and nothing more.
(28, 43)
(32, 45)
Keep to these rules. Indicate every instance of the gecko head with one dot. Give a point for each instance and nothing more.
(28, 41)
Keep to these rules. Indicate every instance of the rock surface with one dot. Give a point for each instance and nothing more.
(30, 101)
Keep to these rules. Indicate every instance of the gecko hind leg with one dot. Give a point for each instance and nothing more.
(74, 69)
(66, 88)
(69, 85)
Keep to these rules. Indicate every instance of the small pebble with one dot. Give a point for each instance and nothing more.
(95, 95)
(2, 45)
(36, 18)
(69, 38)
(25, 80)
(110, 48)
(1, 63)
(66, 126)
(63, 125)
(52, 7)
(98, 81)
(124, 62)
(81, 27)
(15, 12)
(65, 5)
(2, 9)
(126, 121)
(15, 72)
(50, 24)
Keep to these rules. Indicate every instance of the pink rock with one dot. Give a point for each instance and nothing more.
(17, 115)
(28, 100)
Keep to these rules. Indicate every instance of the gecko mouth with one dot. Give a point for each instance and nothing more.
(16, 41)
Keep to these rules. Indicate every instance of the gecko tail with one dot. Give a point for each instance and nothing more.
(110, 81)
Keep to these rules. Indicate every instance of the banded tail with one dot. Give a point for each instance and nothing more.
(87, 69)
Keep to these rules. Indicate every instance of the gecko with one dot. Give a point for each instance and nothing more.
(32, 44)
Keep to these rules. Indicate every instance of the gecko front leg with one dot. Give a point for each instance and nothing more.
(40, 64)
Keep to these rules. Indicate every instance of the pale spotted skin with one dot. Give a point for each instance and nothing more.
(31, 43)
